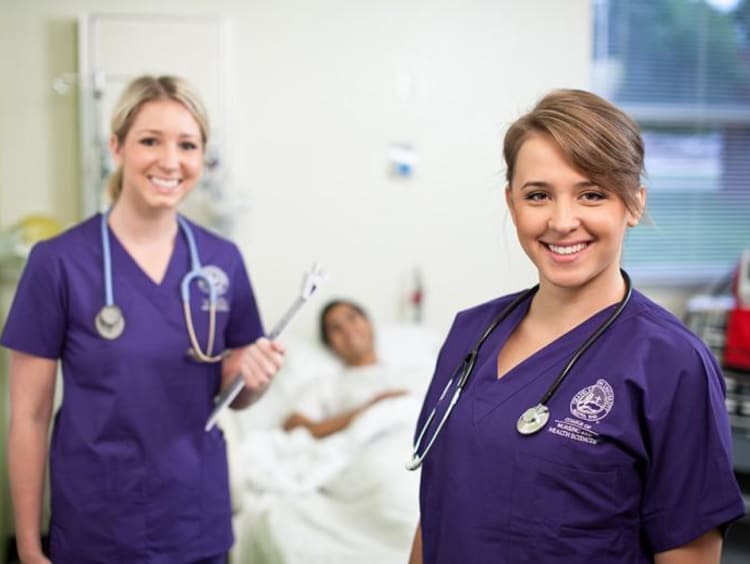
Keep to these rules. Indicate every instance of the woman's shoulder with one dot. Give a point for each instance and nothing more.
(485, 311)
(471, 322)
(70, 242)
(659, 336)
(653, 321)
(206, 233)
(210, 242)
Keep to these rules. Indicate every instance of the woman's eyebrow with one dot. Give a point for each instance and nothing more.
(544, 184)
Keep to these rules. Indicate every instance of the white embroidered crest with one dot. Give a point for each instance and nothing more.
(220, 282)
(593, 403)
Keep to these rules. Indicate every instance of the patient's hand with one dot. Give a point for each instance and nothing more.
(295, 420)
(387, 394)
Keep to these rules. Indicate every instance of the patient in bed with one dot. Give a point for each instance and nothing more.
(330, 406)
(327, 484)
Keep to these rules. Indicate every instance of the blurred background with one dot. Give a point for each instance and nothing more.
(367, 136)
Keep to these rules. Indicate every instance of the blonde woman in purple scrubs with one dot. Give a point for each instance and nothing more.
(134, 476)
(592, 425)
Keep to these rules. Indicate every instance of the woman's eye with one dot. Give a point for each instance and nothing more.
(188, 146)
(593, 196)
(536, 196)
(148, 141)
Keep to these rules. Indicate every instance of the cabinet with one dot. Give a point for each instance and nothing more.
(707, 317)
(738, 406)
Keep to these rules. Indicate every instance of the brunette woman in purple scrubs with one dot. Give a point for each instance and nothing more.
(134, 476)
(623, 456)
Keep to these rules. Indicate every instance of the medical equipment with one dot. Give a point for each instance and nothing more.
(110, 321)
(198, 274)
(533, 419)
(743, 280)
(737, 345)
(311, 281)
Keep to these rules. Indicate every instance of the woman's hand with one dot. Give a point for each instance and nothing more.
(257, 364)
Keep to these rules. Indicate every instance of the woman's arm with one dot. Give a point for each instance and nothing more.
(32, 391)
(706, 549)
(416, 546)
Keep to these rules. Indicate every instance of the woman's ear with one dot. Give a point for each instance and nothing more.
(634, 217)
(115, 149)
(509, 202)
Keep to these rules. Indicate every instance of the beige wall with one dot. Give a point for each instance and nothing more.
(319, 89)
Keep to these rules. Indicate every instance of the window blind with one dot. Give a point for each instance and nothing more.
(681, 68)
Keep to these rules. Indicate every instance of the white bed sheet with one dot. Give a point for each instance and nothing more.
(345, 498)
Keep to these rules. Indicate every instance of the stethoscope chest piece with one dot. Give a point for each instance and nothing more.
(110, 322)
(533, 419)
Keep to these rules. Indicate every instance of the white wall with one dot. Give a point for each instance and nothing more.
(319, 89)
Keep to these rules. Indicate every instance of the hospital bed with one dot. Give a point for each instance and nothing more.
(346, 498)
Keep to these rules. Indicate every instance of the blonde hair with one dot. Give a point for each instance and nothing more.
(597, 138)
(146, 89)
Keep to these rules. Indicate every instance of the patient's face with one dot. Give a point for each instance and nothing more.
(350, 335)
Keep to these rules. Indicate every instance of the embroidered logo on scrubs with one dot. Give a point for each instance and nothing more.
(220, 281)
(593, 403)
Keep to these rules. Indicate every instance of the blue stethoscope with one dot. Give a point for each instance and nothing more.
(533, 419)
(110, 321)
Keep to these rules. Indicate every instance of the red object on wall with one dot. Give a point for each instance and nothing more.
(417, 296)
(737, 347)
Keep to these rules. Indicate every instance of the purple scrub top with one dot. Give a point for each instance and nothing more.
(134, 477)
(635, 459)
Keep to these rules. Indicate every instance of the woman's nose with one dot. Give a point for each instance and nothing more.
(564, 218)
(169, 157)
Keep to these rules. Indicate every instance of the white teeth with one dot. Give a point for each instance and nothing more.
(567, 250)
(165, 183)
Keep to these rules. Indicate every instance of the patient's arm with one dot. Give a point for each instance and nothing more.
(324, 428)
(336, 423)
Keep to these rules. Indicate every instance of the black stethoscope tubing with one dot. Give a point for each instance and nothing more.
(537, 415)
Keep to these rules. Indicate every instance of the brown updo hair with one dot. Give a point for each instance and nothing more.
(597, 138)
(146, 89)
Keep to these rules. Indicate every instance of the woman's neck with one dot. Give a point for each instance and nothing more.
(570, 306)
(148, 239)
(132, 226)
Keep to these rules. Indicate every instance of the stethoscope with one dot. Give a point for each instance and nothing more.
(533, 419)
(110, 321)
